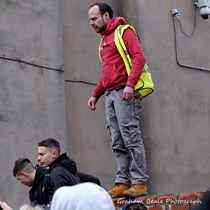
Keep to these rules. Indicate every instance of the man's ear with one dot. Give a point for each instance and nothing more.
(106, 16)
(23, 173)
(55, 154)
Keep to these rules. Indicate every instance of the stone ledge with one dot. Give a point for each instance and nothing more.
(179, 201)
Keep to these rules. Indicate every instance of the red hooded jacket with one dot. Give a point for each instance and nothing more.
(114, 73)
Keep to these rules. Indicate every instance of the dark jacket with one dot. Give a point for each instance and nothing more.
(63, 172)
(88, 178)
(204, 202)
(38, 193)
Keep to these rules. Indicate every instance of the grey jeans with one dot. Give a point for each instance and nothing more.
(126, 140)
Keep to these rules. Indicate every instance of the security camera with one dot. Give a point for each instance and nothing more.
(204, 6)
(204, 12)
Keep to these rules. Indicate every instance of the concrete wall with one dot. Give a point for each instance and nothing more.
(175, 118)
(32, 99)
(87, 133)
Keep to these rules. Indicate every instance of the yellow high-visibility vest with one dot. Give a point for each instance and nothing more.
(145, 85)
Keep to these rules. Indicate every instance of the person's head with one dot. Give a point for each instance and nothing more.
(134, 206)
(99, 15)
(87, 196)
(24, 171)
(5, 206)
(48, 151)
(30, 207)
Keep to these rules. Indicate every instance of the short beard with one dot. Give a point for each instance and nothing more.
(102, 29)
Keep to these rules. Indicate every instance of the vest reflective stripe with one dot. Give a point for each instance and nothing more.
(145, 85)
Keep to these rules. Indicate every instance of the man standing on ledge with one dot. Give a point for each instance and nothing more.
(122, 103)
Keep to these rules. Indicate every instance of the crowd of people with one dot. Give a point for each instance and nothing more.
(56, 184)
(83, 196)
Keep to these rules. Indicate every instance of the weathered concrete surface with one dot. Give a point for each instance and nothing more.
(175, 118)
(32, 100)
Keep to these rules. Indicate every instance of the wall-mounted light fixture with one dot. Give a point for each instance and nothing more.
(204, 6)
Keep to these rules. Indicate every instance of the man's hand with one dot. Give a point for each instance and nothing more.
(127, 93)
(92, 103)
(5, 206)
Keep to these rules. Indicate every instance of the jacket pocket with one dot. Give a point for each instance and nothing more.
(112, 75)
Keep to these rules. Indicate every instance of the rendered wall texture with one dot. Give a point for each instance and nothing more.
(175, 118)
(32, 99)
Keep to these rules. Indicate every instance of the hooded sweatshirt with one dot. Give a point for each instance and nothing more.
(114, 73)
(88, 196)
(63, 172)
(38, 193)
